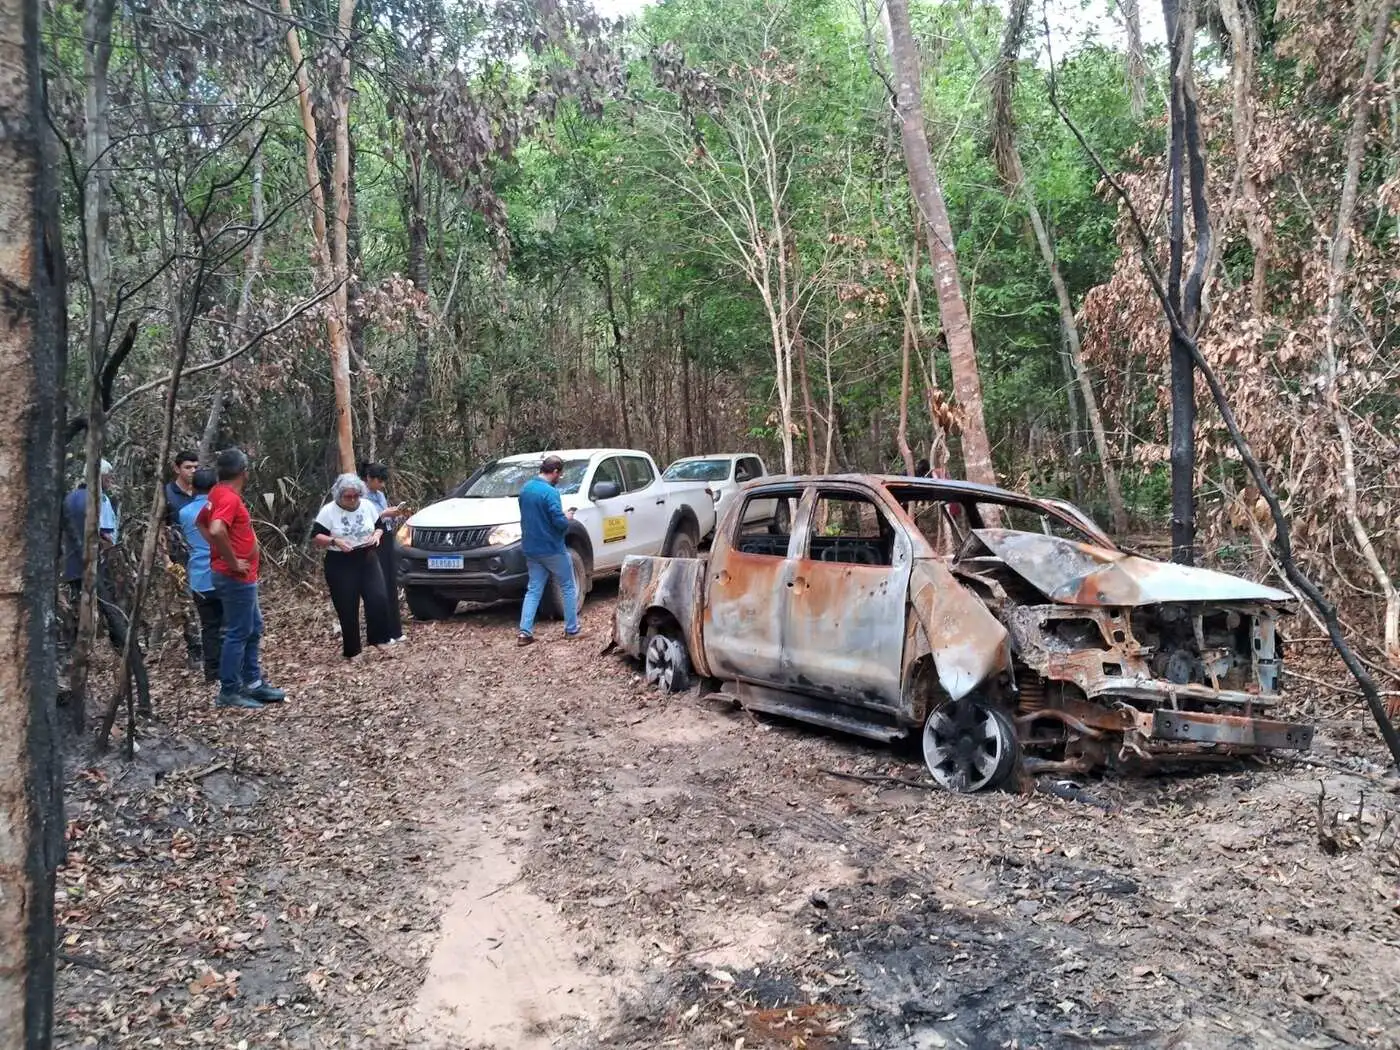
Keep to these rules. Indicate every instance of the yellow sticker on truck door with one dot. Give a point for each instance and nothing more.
(615, 529)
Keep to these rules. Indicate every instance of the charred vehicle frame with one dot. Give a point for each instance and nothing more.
(1007, 630)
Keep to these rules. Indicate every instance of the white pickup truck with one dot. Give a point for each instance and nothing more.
(467, 547)
(725, 473)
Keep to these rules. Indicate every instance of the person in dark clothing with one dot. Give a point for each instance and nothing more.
(114, 618)
(922, 469)
(349, 530)
(179, 494)
(376, 477)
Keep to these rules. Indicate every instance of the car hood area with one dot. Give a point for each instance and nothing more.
(1070, 573)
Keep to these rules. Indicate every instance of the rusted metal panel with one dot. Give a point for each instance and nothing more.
(742, 619)
(968, 644)
(1201, 728)
(1080, 574)
(655, 587)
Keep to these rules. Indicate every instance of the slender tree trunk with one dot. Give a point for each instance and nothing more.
(907, 346)
(1134, 61)
(97, 204)
(1239, 18)
(418, 271)
(619, 358)
(957, 326)
(31, 358)
(1338, 265)
(251, 269)
(1070, 329)
(329, 261)
(1180, 23)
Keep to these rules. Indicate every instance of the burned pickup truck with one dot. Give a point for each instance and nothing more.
(1008, 630)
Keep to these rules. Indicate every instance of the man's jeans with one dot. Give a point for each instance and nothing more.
(561, 567)
(243, 628)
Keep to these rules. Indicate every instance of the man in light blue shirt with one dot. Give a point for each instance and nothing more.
(201, 576)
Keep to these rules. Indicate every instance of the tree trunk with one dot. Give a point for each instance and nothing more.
(329, 262)
(31, 357)
(957, 327)
(1239, 18)
(417, 221)
(1135, 64)
(1338, 264)
(1070, 329)
(619, 358)
(906, 352)
(251, 269)
(97, 204)
(1183, 372)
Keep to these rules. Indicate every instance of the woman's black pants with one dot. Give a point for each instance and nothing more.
(354, 577)
(389, 568)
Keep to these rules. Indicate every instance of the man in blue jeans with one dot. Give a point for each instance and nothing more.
(233, 556)
(543, 523)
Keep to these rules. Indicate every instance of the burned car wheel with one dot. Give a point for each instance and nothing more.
(969, 746)
(667, 665)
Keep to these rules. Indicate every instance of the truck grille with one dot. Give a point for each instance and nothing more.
(464, 539)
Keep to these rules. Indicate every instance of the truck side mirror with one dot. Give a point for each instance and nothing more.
(605, 490)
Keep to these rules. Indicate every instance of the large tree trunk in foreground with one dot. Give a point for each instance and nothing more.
(31, 357)
(957, 326)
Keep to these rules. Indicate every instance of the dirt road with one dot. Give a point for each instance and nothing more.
(472, 846)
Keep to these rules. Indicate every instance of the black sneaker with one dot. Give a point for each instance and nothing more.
(265, 694)
(240, 700)
(525, 639)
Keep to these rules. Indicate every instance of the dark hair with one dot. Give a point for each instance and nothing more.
(186, 455)
(231, 463)
(205, 478)
(922, 469)
(551, 465)
(374, 470)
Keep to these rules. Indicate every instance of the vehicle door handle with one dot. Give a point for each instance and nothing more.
(628, 510)
(661, 502)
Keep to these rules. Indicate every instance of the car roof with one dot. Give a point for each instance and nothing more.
(966, 488)
(569, 453)
(715, 455)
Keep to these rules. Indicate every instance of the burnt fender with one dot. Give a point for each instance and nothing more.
(967, 643)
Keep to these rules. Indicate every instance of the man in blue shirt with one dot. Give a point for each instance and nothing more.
(543, 524)
(74, 517)
(201, 576)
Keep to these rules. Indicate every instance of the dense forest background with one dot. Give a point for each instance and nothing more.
(693, 231)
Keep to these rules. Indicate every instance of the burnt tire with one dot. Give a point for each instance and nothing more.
(665, 663)
(970, 746)
(427, 605)
(683, 544)
(552, 603)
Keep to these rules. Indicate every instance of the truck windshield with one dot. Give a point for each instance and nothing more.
(698, 470)
(507, 478)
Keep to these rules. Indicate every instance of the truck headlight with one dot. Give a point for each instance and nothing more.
(502, 535)
(404, 535)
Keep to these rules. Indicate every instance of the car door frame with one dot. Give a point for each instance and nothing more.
(608, 555)
(746, 600)
(844, 626)
(650, 515)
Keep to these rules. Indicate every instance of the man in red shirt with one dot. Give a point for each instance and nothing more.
(233, 557)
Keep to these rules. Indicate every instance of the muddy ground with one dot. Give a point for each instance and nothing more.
(468, 846)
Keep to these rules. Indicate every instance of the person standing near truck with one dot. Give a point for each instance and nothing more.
(376, 477)
(543, 525)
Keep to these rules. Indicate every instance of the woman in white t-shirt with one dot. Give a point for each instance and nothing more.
(348, 529)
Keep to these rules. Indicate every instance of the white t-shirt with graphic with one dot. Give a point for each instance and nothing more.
(356, 525)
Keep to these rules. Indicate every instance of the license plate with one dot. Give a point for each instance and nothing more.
(453, 561)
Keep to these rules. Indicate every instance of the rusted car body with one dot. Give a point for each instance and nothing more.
(1008, 629)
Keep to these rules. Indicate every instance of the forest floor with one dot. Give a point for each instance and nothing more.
(467, 845)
